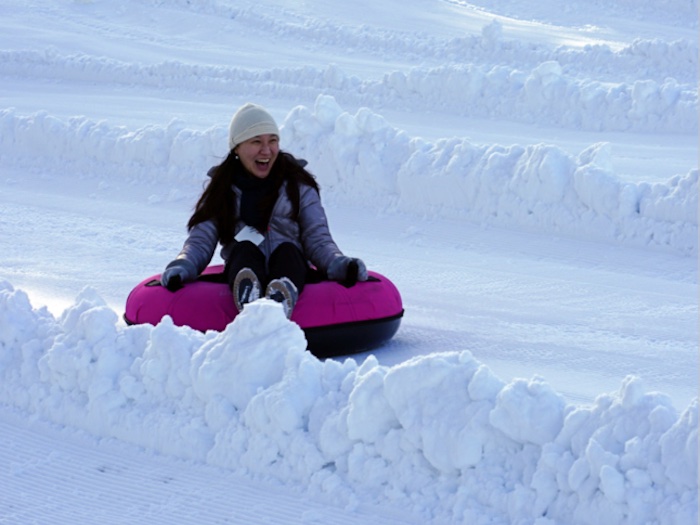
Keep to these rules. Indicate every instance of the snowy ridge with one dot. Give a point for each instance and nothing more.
(361, 160)
(544, 93)
(677, 12)
(656, 60)
(540, 187)
(547, 95)
(682, 13)
(474, 444)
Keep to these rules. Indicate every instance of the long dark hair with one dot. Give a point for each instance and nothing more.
(218, 202)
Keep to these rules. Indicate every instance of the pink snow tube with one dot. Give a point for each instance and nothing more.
(336, 319)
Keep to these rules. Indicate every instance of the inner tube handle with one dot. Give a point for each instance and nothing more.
(351, 274)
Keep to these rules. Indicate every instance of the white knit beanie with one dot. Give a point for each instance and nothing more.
(250, 121)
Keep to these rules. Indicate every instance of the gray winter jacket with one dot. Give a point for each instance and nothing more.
(309, 233)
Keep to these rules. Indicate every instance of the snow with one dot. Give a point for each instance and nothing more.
(525, 174)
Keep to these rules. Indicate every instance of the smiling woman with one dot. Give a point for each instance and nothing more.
(264, 208)
(259, 154)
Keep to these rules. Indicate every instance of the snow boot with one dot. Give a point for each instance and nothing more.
(283, 291)
(246, 288)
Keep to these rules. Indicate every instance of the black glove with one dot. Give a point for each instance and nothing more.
(347, 270)
(177, 273)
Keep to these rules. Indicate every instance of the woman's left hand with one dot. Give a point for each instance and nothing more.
(338, 269)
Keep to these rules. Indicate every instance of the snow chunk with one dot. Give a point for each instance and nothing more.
(251, 354)
(528, 411)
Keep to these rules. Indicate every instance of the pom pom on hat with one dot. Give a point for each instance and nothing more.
(250, 121)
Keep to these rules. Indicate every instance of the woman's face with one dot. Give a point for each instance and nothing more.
(258, 154)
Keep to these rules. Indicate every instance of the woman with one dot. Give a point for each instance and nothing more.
(265, 210)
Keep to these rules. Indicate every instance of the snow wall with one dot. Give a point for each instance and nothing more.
(439, 434)
(361, 160)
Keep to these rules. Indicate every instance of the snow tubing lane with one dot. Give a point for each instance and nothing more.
(337, 320)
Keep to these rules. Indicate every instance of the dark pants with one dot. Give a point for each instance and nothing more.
(286, 261)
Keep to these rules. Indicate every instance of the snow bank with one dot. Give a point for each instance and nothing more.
(679, 12)
(653, 59)
(363, 161)
(438, 432)
(545, 95)
(648, 86)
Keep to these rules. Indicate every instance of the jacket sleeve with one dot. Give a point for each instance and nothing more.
(319, 246)
(200, 245)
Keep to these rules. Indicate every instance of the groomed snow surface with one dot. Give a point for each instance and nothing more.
(527, 177)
